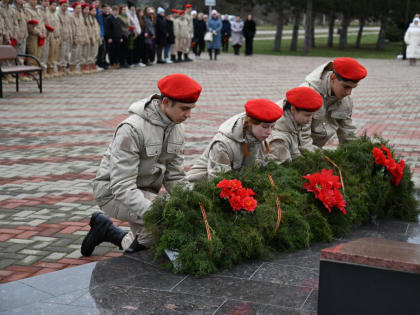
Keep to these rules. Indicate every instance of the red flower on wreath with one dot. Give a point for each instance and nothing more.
(240, 198)
(325, 186)
(395, 169)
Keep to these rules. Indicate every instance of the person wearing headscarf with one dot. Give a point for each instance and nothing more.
(249, 32)
(412, 39)
(134, 55)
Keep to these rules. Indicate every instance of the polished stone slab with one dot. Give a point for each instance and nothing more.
(380, 253)
(137, 284)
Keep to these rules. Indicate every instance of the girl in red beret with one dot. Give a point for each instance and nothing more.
(291, 134)
(240, 141)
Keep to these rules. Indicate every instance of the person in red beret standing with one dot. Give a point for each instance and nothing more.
(189, 18)
(146, 153)
(65, 37)
(53, 26)
(335, 81)
(240, 141)
(288, 139)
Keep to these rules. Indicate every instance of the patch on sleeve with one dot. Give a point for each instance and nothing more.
(125, 144)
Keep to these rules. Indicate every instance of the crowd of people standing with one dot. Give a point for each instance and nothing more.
(93, 36)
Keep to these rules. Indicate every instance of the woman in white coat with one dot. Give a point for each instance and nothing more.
(412, 39)
(237, 27)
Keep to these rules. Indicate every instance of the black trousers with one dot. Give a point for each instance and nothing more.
(115, 51)
(100, 59)
(236, 49)
(199, 47)
(225, 43)
(159, 50)
(249, 45)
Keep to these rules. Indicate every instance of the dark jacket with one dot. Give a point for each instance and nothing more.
(200, 29)
(171, 36)
(249, 28)
(113, 27)
(226, 30)
(161, 31)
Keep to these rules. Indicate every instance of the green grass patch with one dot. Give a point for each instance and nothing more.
(367, 50)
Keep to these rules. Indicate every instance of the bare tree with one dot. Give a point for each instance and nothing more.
(308, 28)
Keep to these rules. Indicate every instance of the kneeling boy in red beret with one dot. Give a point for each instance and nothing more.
(146, 153)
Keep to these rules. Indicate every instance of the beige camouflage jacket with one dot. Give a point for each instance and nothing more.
(43, 12)
(334, 117)
(8, 23)
(95, 29)
(288, 139)
(224, 153)
(78, 30)
(189, 19)
(33, 14)
(146, 153)
(52, 19)
(181, 28)
(21, 26)
(65, 25)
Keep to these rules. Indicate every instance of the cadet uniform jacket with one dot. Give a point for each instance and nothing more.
(334, 117)
(145, 154)
(181, 28)
(95, 29)
(65, 25)
(43, 11)
(53, 20)
(224, 153)
(288, 139)
(21, 26)
(33, 14)
(9, 26)
(78, 29)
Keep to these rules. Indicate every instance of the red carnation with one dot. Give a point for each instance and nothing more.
(325, 186)
(41, 41)
(396, 170)
(131, 28)
(49, 28)
(249, 204)
(238, 196)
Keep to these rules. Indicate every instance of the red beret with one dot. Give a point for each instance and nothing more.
(181, 12)
(304, 98)
(52, 1)
(91, 7)
(263, 110)
(62, 1)
(75, 4)
(85, 5)
(180, 87)
(349, 68)
(188, 6)
(174, 11)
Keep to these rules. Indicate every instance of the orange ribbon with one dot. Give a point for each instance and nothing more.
(205, 221)
(339, 172)
(277, 204)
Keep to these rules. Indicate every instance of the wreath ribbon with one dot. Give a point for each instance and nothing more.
(277, 204)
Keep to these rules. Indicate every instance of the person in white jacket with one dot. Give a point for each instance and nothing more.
(412, 39)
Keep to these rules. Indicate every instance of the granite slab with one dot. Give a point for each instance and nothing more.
(379, 253)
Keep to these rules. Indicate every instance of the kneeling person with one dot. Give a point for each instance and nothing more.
(240, 141)
(289, 138)
(145, 153)
(335, 82)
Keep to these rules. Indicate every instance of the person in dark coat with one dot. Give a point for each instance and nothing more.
(149, 18)
(249, 32)
(161, 34)
(114, 35)
(170, 40)
(226, 32)
(200, 28)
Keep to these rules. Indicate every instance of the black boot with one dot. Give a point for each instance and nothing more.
(180, 56)
(173, 58)
(102, 230)
(186, 58)
(216, 52)
(211, 54)
(135, 247)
